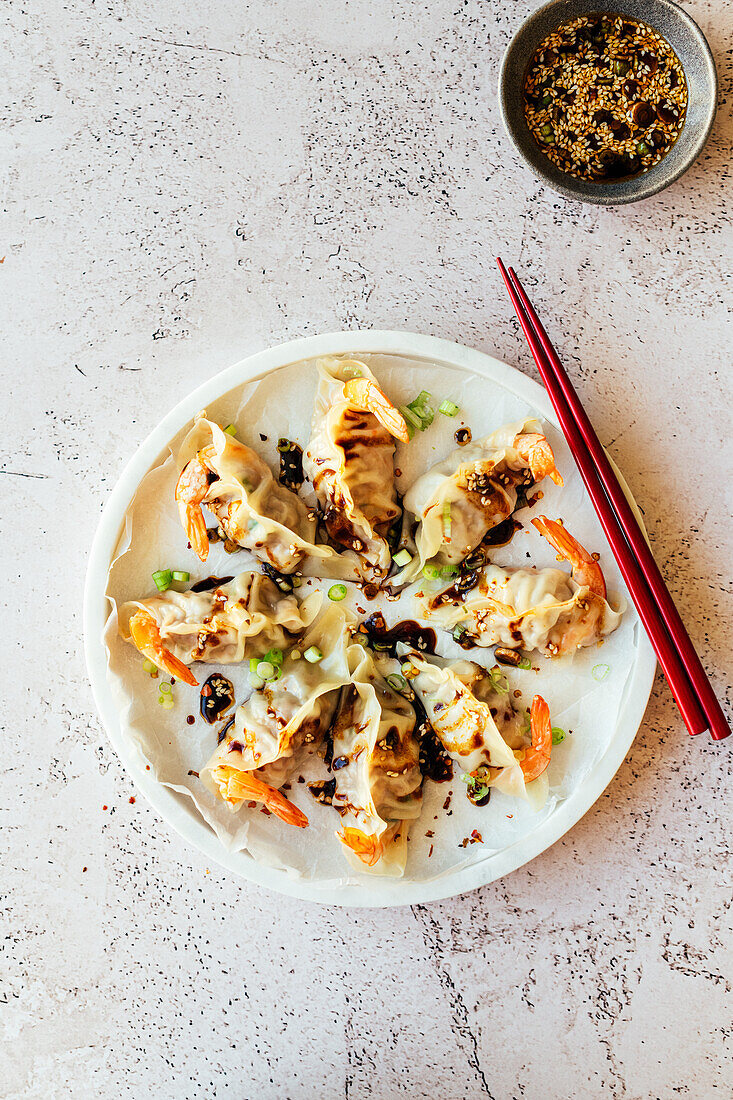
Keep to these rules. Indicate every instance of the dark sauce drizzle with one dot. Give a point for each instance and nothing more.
(291, 464)
(224, 730)
(282, 580)
(217, 696)
(208, 584)
(385, 639)
(434, 761)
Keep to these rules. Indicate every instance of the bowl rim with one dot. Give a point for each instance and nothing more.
(175, 808)
(584, 190)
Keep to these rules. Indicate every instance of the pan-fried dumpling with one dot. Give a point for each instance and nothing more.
(264, 742)
(542, 609)
(242, 618)
(473, 490)
(349, 460)
(473, 717)
(253, 509)
(375, 766)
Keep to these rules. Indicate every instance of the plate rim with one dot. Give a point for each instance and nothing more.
(171, 805)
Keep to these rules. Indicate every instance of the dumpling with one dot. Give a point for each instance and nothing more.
(242, 618)
(262, 745)
(474, 489)
(375, 765)
(473, 717)
(542, 609)
(349, 460)
(253, 509)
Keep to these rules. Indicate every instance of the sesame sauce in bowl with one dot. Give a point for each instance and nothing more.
(604, 97)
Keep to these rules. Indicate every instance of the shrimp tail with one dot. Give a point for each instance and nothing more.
(537, 757)
(190, 493)
(586, 569)
(365, 394)
(146, 638)
(367, 848)
(238, 786)
(538, 453)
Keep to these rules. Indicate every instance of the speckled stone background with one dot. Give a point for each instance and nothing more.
(183, 184)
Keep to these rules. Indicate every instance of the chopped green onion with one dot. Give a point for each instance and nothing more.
(446, 520)
(526, 722)
(274, 656)
(409, 671)
(352, 371)
(253, 663)
(360, 639)
(558, 735)
(447, 408)
(337, 592)
(181, 576)
(165, 688)
(295, 654)
(411, 418)
(403, 557)
(498, 680)
(313, 654)
(148, 666)
(458, 632)
(432, 572)
(524, 663)
(230, 429)
(163, 579)
(297, 582)
(399, 683)
(600, 672)
(283, 445)
(448, 570)
(166, 701)
(265, 670)
(256, 681)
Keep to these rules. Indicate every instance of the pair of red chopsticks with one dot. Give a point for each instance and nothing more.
(675, 652)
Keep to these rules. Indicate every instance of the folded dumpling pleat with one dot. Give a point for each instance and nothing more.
(375, 766)
(349, 460)
(252, 507)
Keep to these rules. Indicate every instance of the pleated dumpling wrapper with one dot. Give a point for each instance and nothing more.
(284, 718)
(473, 490)
(252, 508)
(350, 461)
(375, 765)
(473, 717)
(547, 610)
(242, 618)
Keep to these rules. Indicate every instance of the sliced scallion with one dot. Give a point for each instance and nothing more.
(432, 572)
(558, 735)
(283, 445)
(350, 370)
(409, 671)
(256, 681)
(412, 419)
(422, 408)
(230, 429)
(163, 579)
(524, 663)
(274, 656)
(313, 654)
(149, 667)
(600, 672)
(166, 701)
(446, 520)
(402, 557)
(337, 592)
(399, 683)
(458, 632)
(265, 670)
(165, 688)
(253, 663)
(447, 408)
(295, 654)
(448, 570)
(181, 576)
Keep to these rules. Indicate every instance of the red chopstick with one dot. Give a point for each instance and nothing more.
(680, 663)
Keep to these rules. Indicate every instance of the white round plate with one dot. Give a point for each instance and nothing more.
(177, 810)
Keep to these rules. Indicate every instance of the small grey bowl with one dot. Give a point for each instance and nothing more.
(690, 45)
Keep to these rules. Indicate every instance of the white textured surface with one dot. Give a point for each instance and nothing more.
(184, 184)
